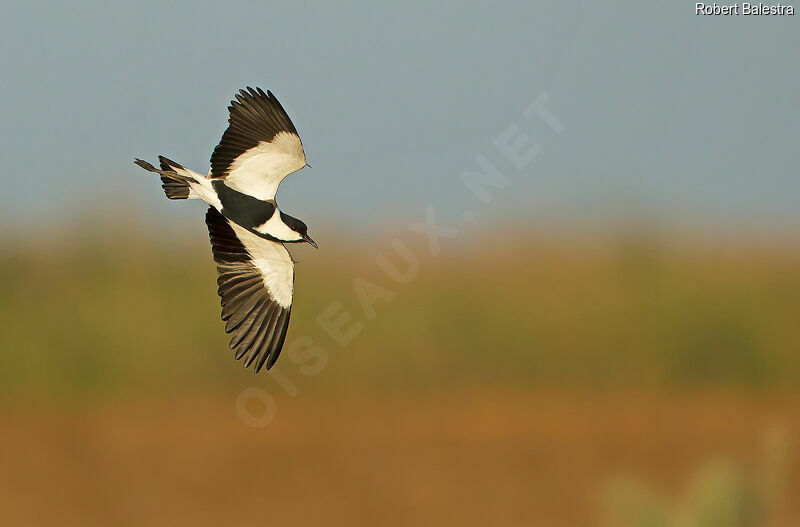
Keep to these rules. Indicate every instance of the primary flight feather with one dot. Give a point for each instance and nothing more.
(247, 230)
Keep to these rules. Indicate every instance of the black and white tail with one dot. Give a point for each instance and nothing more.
(176, 185)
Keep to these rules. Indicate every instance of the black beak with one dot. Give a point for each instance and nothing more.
(311, 242)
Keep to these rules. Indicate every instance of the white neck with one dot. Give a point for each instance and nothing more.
(277, 229)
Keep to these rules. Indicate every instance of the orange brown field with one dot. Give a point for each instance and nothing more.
(467, 459)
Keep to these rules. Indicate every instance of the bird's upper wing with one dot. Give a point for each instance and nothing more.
(260, 147)
(255, 282)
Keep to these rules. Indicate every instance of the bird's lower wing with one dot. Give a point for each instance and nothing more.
(256, 278)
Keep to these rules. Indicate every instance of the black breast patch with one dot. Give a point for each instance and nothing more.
(242, 209)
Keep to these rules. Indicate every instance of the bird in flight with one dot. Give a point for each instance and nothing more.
(248, 231)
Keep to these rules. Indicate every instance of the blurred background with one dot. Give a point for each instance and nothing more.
(601, 330)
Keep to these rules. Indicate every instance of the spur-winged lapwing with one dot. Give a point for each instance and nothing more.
(247, 229)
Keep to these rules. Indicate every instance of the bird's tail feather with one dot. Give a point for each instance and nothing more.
(175, 184)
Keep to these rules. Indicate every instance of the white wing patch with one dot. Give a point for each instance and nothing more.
(259, 170)
(274, 262)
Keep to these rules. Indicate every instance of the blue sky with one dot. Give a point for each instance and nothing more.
(666, 114)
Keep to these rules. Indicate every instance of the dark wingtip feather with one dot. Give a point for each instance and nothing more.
(277, 346)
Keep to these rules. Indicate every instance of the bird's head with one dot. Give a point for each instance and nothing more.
(299, 228)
